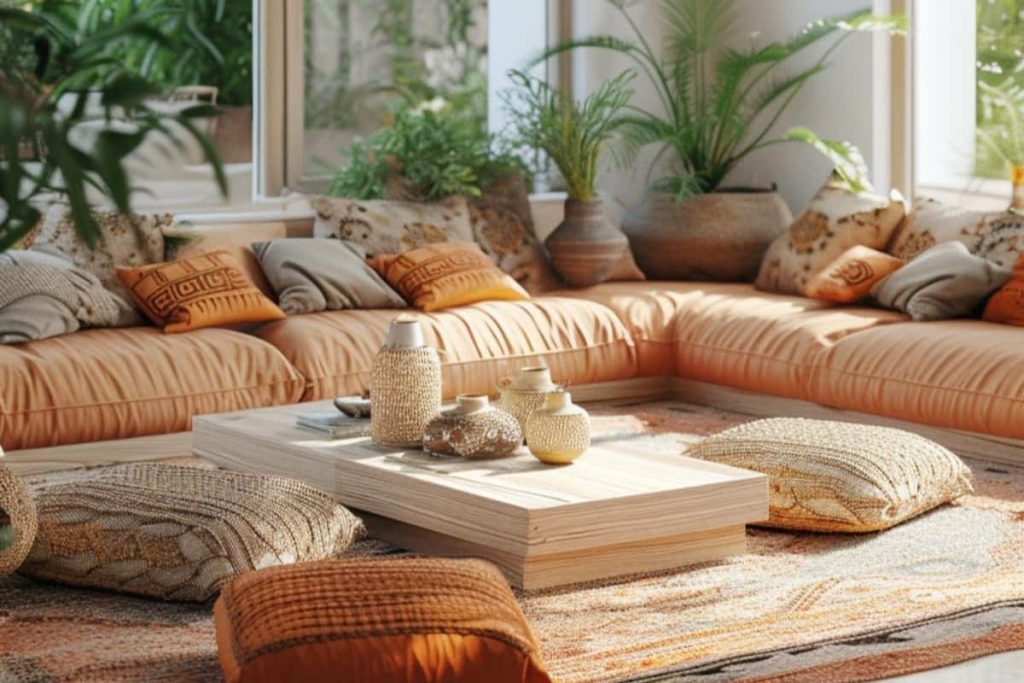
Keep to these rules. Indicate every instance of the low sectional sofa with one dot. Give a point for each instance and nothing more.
(111, 385)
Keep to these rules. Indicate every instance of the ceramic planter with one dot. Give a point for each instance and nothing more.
(587, 246)
(720, 236)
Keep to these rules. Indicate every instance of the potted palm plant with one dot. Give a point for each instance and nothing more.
(719, 105)
(587, 246)
(47, 84)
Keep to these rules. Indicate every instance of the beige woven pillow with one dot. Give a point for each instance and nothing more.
(838, 476)
(177, 532)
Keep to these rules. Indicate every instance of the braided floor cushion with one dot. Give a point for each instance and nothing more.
(417, 620)
(840, 477)
(178, 532)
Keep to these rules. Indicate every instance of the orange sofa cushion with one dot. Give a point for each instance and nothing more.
(206, 290)
(581, 341)
(958, 374)
(649, 311)
(445, 275)
(375, 620)
(113, 384)
(1007, 305)
(768, 343)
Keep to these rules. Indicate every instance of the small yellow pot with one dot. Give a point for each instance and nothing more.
(559, 432)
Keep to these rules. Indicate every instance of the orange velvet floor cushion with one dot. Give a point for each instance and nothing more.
(418, 620)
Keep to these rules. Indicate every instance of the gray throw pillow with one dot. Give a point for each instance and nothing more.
(946, 281)
(311, 274)
(43, 295)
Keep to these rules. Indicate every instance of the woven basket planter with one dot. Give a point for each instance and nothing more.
(15, 504)
(405, 394)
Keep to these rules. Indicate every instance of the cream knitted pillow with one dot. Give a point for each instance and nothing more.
(177, 532)
(838, 476)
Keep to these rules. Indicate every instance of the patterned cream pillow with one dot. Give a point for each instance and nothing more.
(178, 533)
(503, 227)
(834, 220)
(932, 222)
(392, 227)
(128, 240)
(838, 476)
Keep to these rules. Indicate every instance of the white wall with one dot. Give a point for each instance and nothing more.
(846, 102)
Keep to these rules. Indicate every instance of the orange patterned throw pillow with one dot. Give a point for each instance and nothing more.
(1007, 305)
(446, 274)
(375, 620)
(205, 290)
(851, 276)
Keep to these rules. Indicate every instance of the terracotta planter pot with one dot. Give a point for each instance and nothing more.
(586, 247)
(233, 135)
(720, 236)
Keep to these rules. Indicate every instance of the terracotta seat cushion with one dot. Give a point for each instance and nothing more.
(375, 620)
(581, 341)
(119, 383)
(958, 374)
(769, 343)
(648, 310)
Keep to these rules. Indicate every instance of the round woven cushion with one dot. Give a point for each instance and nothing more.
(839, 476)
(17, 521)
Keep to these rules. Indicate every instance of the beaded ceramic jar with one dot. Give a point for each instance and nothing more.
(18, 521)
(525, 392)
(473, 429)
(559, 432)
(405, 386)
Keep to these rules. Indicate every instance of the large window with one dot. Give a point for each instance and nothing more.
(205, 55)
(363, 58)
(349, 63)
(968, 78)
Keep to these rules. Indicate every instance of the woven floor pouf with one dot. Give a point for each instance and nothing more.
(178, 532)
(375, 621)
(17, 521)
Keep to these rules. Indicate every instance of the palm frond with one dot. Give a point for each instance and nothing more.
(847, 159)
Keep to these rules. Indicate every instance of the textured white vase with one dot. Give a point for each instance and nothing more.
(405, 386)
(559, 432)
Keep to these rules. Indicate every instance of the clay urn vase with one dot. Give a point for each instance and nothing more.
(587, 246)
(720, 236)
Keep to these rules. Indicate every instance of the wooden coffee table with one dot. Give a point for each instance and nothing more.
(618, 510)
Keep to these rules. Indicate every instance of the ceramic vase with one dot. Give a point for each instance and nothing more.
(525, 392)
(559, 432)
(473, 429)
(18, 521)
(720, 236)
(586, 247)
(405, 386)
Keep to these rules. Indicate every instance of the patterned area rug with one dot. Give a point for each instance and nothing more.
(945, 587)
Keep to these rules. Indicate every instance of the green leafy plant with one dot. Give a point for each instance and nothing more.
(719, 105)
(49, 78)
(572, 133)
(208, 42)
(432, 155)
